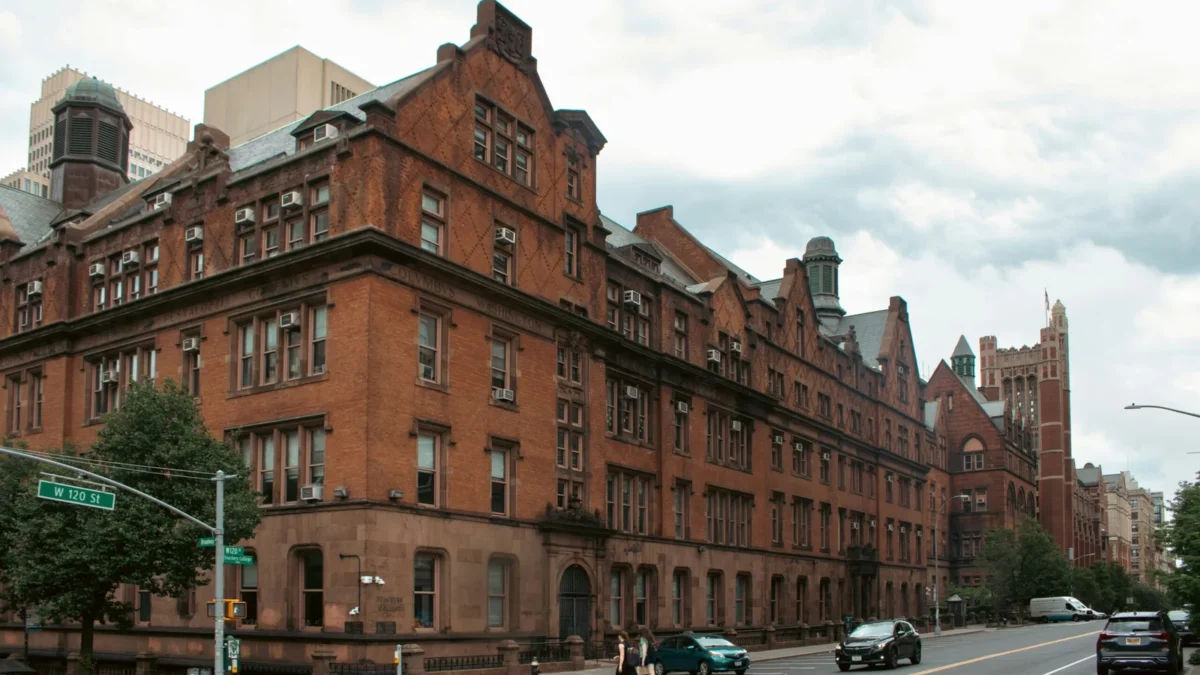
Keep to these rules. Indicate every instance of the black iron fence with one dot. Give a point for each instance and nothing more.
(114, 669)
(600, 649)
(251, 668)
(441, 664)
(368, 668)
(547, 651)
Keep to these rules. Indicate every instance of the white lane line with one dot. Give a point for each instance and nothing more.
(1092, 656)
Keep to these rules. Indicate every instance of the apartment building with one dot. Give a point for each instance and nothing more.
(28, 181)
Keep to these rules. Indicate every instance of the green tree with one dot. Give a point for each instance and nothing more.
(69, 560)
(1181, 534)
(1147, 598)
(1085, 587)
(1000, 555)
(1024, 564)
(1115, 586)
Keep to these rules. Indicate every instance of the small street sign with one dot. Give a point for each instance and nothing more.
(59, 492)
(239, 560)
(33, 622)
(207, 542)
(233, 653)
(230, 551)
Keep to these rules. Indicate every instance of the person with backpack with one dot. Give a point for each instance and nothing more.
(628, 657)
(646, 648)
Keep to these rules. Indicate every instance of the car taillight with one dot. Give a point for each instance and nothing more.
(1104, 637)
(1164, 636)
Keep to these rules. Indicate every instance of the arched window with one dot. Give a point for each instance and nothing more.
(311, 565)
(1013, 505)
(1021, 504)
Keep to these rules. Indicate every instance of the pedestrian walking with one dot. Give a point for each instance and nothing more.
(628, 657)
(646, 648)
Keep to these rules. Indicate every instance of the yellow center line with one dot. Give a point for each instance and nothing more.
(1011, 651)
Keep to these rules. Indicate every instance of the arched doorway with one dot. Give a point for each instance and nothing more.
(574, 604)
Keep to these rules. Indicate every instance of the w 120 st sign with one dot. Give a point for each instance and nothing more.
(59, 492)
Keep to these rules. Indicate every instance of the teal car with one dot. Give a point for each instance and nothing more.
(699, 655)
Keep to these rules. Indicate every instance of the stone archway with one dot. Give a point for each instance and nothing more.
(575, 604)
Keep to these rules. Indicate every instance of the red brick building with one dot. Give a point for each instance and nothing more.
(993, 471)
(434, 353)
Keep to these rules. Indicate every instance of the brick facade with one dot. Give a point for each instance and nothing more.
(512, 465)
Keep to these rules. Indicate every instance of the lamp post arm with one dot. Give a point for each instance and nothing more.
(1134, 406)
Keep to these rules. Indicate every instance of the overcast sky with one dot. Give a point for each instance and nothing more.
(963, 155)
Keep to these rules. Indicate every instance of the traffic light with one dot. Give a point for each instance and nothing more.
(234, 609)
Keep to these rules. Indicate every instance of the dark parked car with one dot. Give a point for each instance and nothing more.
(1183, 624)
(699, 655)
(879, 643)
(1139, 640)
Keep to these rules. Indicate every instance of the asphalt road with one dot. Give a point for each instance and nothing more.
(1054, 649)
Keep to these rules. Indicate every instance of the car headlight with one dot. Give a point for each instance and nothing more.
(883, 645)
(716, 655)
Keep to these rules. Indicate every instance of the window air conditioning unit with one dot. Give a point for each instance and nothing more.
(289, 321)
(631, 392)
(903, 530)
(981, 502)
(312, 493)
(825, 456)
(161, 200)
(503, 395)
(735, 347)
(889, 527)
(110, 377)
(193, 234)
(778, 440)
(872, 522)
(96, 269)
(714, 356)
(34, 288)
(854, 526)
(735, 425)
(681, 407)
(324, 131)
(129, 258)
(191, 344)
(633, 298)
(505, 236)
(243, 217)
(291, 200)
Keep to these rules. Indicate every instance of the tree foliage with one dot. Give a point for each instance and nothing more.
(1182, 535)
(69, 560)
(1023, 564)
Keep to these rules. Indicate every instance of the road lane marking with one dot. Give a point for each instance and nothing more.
(1011, 651)
(1086, 658)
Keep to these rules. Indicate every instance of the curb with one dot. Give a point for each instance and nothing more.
(924, 636)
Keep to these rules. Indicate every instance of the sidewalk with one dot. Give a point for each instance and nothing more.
(608, 667)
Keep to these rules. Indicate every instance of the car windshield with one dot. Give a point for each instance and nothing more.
(1134, 626)
(714, 642)
(1178, 615)
(872, 630)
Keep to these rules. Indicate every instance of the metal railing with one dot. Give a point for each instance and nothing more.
(440, 664)
(367, 668)
(276, 668)
(114, 669)
(600, 649)
(547, 651)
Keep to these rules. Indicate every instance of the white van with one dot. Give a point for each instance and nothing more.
(1061, 608)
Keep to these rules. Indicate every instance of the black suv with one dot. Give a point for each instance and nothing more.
(1139, 640)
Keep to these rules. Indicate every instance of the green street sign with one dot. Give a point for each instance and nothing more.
(239, 560)
(59, 492)
(230, 551)
(208, 542)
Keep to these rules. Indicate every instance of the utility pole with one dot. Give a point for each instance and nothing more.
(217, 530)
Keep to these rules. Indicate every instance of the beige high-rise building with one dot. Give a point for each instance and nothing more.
(158, 138)
(28, 181)
(1145, 555)
(278, 91)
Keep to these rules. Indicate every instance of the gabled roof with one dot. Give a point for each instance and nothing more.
(868, 331)
(619, 237)
(962, 348)
(28, 214)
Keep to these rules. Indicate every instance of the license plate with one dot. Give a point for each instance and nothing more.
(856, 658)
(1133, 641)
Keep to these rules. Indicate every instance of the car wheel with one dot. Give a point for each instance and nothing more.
(843, 667)
(705, 669)
(890, 660)
(1179, 662)
(659, 669)
(1101, 669)
(740, 672)
(916, 655)
(1075, 618)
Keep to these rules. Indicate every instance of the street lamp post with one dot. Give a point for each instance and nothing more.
(1134, 406)
(937, 609)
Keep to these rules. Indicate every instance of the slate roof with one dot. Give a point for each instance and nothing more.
(962, 348)
(620, 237)
(30, 215)
(280, 142)
(1089, 475)
(770, 289)
(868, 330)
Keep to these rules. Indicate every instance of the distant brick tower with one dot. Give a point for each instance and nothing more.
(1034, 383)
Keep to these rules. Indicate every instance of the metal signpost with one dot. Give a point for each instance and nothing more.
(70, 494)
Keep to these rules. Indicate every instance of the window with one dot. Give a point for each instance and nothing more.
(801, 458)
(248, 590)
(841, 464)
(641, 586)
(628, 501)
(425, 588)
(573, 187)
(981, 499)
(502, 263)
(824, 601)
(824, 466)
(499, 481)
(713, 597)
(644, 321)
(497, 593)
(111, 374)
(904, 541)
(271, 346)
(569, 364)
(495, 133)
(682, 442)
(777, 520)
(29, 306)
(429, 341)
(891, 527)
(428, 447)
(679, 586)
(502, 374)
(741, 600)
(776, 600)
(681, 335)
(825, 406)
(196, 264)
(727, 517)
(433, 221)
(191, 365)
(629, 411)
(16, 402)
(616, 597)
(312, 576)
(301, 459)
(905, 492)
(144, 606)
(150, 267)
(728, 440)
(777, 450)
(802, 522)
(826, 518)
(683, 491)
(571, 265)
